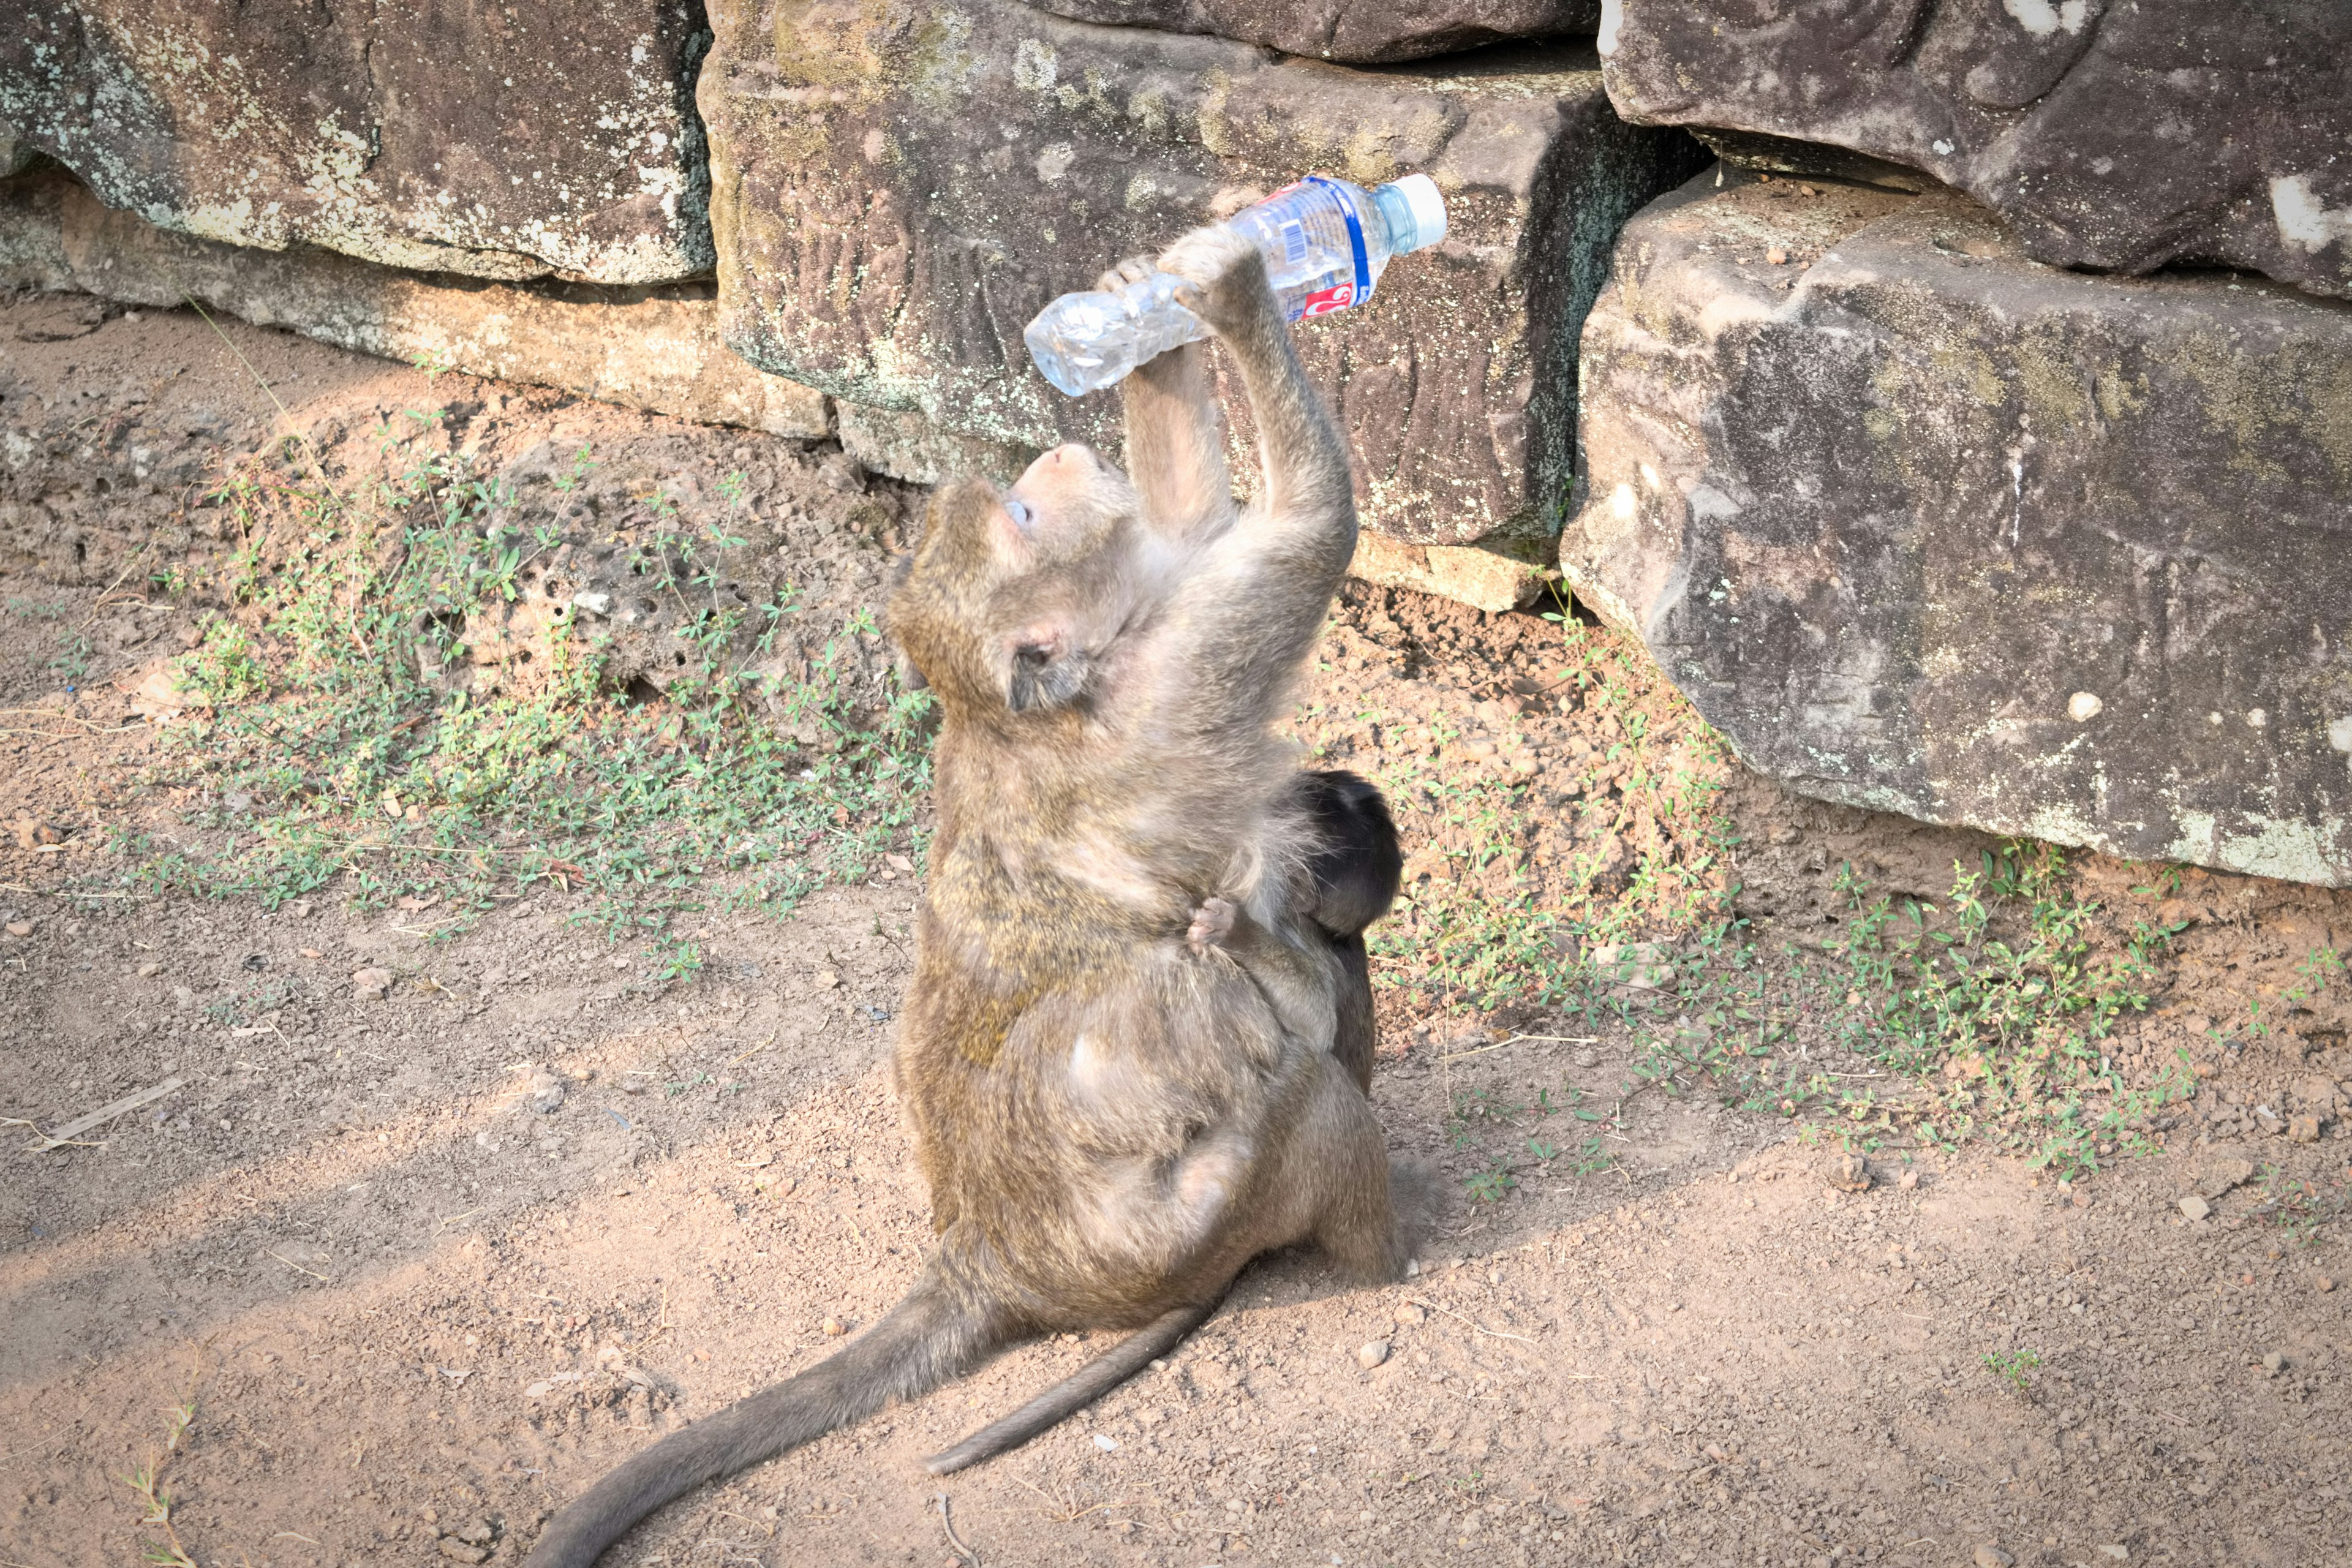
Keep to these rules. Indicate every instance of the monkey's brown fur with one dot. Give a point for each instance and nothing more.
(1113, 1119)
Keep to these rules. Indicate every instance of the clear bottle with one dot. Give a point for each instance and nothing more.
(1325, 241)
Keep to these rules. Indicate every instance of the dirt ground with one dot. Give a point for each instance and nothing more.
(425, 1264)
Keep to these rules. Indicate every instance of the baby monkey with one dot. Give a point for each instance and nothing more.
(1136, 1050)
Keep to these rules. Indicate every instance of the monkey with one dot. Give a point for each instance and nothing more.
(1126, 1059)
(1352, 876)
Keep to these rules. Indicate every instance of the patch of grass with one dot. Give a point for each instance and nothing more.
(2319, 967)
(2014, 1368)
(1985, 1020)
(1479, 1115)
(355, 765)
(1488, 926)
(2007, 1030)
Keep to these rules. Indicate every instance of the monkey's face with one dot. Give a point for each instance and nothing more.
(1064, 505)
(1013, 597)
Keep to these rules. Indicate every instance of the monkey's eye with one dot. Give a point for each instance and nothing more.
(1018, 510)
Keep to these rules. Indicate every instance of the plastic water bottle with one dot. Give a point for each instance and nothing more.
(1325, 242)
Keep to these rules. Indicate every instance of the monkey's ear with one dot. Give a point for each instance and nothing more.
(1044, 668)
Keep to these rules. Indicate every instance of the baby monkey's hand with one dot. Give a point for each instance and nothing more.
(1213, 922)
(1224, 280)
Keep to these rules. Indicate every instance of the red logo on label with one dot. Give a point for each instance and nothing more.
(1323, 302)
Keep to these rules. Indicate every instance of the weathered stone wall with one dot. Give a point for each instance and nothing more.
(652, 348)
(1925, 526)
(898, 191)
(2119, 135)
(1356, 31)
(481, 140)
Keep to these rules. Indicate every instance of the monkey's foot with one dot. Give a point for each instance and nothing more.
(1211, 923)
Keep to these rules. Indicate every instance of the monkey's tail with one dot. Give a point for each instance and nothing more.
(1078, 1391)
(933, 1335)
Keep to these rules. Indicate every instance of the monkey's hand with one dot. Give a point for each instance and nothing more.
(1134, 270)
(1213, 922)
(1224, 281)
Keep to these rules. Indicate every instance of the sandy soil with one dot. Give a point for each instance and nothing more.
(413, 1310)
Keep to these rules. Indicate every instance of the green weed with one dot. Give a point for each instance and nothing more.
(146, 1483)
(2014, 1367)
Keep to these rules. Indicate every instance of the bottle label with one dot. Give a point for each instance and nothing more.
(1323, 302)
(1340, 296)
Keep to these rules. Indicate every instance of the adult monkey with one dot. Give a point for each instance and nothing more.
(1136, 1050)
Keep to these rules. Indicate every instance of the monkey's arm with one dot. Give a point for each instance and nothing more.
(1248, 615)
(1175, 451)
(1305, 501)
(1175, 447)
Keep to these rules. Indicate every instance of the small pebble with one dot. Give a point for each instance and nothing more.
(1108, 1444)
(1372, 1353)
(546, 1091)
(1409, 1312)
(833, 1327)
(2116, 1550)
(1993, 1557)
(2196, 1207)
(20, 928)
(1776, 256)
(149, 971)
(370, 984)
(1849, 1173)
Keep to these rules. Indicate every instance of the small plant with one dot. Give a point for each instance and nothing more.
(2014, 1367)
(2320, 966)
(674, 958)
(1491, 1184)
(72, 659)
(147, 1484)
(2303, 1208)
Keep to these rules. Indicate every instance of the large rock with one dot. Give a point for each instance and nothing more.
(2111, 135)
(1925, 526)
(898, 191)
(1360, 31)
(450, 136)
(652, 348)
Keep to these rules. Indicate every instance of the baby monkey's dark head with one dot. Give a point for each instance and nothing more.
(1012, 596)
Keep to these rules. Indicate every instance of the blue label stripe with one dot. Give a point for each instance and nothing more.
(1355, 239)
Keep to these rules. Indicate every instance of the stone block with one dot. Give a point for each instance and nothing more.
(1925, 526)
(1480, 576)
(2117, 135)
(1357, 31)
(652, 348)
(908, 446)
(452, 137)
(898, 191)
